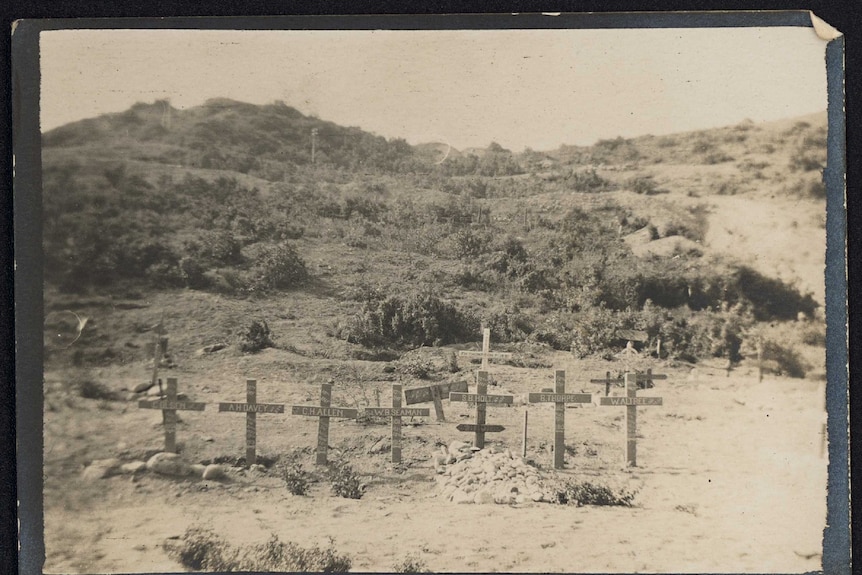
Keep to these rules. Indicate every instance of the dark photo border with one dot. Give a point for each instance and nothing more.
(23, 227)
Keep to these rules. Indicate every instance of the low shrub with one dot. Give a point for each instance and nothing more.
(416, 367)
(717, 158)
(255, 337)
(411, 564)
(344, 481)
(581, 493)
(295, 478)
(643, 185)
(786, 358)
(279, 266)
(88, 388)
(814, 335)
(201, 549)
(193, 273)
(588, 181)
(412, 320)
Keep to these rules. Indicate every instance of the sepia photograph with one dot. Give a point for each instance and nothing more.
(437, 300)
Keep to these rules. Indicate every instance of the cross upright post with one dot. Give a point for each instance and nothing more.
(323, 411)
(251, 408)
(631, 402)
(481, 398)
(396, 412)
(486, 352)
(560, 398)
(169, 406)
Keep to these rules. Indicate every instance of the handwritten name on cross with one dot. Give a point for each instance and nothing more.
(560, 398)
(251, 408)
(434, 393)
(486, 352)
(169, 406)
(396, 412)
(631, 402)
(481, 399)
(323, 411)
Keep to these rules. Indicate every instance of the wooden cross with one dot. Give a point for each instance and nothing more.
(642, 378)
(486, 352)
(396, 412)
(324, 411)
(169, 406)
(251, 408)
(434, 393)
(631, 401)
(481, 399)
(560, 398)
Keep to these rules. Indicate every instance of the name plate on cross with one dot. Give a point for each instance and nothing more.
(323, 411)
(169, 408)
(251, 408)
(434, 393)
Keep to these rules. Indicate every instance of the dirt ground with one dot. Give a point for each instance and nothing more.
(730, 475)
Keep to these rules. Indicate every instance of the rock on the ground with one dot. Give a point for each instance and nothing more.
(198, 469)
(382, 445)
(101, 468)
(142, 387)
(169, 464)
(133, 467)
(211, 349)
(213, 471)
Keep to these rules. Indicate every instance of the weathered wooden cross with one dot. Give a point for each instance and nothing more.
(324, 411)
(434, 393)
(481, 399)
(560, 398)
(643, 380)
(631, 401)
(169, 406)
(396, 412)
(251, 408)
(486, 352)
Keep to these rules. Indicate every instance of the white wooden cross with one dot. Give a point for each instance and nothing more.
(486, 352)
(631, 402)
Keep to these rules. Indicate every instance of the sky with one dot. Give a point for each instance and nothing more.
(520, 88)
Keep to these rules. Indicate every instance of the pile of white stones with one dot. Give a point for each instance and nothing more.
(467, 475)
(161, 463)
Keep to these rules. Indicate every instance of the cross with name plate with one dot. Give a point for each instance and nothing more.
(560, 398)
(396, 412)
(631, 402)
(486, 352)
(434, 393)
(251, 408)
(323, 411)
(169, 406)
(481, 399)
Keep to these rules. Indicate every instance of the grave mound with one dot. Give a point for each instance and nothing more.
(488, 476)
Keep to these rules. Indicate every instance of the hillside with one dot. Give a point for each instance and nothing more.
(212, 231)
(727, 218)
